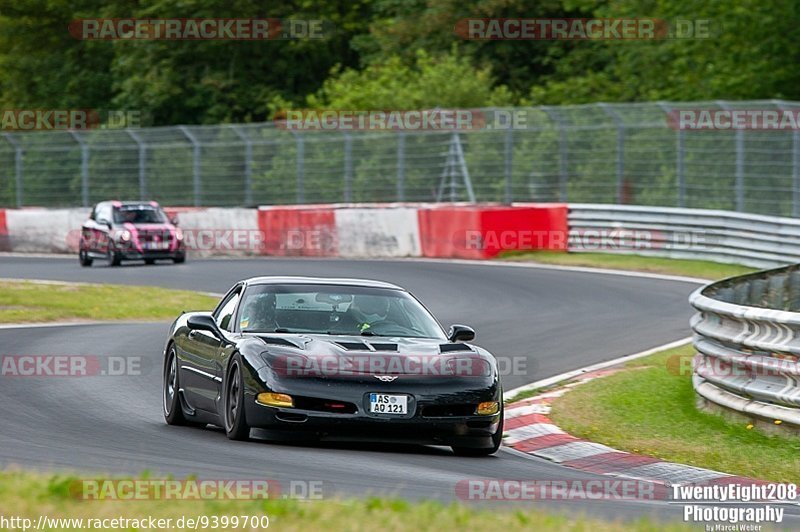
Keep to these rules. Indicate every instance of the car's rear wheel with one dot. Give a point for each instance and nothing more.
(236, 426)
(173, 412)
(113, 258)
(497, 440)
(85, 260)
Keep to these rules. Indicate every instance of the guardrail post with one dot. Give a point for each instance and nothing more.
(620, 150)
(741, 293)
(18, 169)
(739, 183)
(300, 161)
(793, 301)
(401, 166)
(142, 163)
(776, 294)
(508, 149)
(796, 173)
(196, 154)
(563, 153)
(248, 164)
(758, 287)
(680, 177)
(84, 168)
(726, 294)
(348, 167)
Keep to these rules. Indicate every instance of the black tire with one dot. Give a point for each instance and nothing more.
(497, 440)
(149, 262)
(84, 259)
(113, 257)
(173, 412)
(179, 259)
(236, 426)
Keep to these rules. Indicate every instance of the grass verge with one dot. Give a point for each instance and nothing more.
(690, 268)
(23, 302)
(29, 496)
(651, 410)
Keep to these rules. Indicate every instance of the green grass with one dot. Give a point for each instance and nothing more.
(650, 409)
(35, 302)
(690, 268)
(29, 496)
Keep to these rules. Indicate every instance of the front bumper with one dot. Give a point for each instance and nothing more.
(156, 255)
(465, 431)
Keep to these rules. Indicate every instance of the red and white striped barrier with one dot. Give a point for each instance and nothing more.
(352, 231)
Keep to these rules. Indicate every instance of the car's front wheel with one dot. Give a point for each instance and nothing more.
(236, 426)
(173, 412)
(113, 258)
(497, 440)
(85, 260)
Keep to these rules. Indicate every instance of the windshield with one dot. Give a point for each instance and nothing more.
(338, 310)
(139, 214)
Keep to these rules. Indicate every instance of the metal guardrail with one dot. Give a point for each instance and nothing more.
(747, 338)
(722, 236)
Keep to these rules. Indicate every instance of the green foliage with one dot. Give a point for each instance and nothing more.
(389, 54)
(449, 81)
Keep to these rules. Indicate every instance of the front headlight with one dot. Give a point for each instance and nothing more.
(275, 399)
(123, 236)
(179, 234)
(488, 408)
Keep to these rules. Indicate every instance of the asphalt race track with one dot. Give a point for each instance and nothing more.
(554, 320)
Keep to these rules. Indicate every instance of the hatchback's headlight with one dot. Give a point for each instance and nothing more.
(123, 236)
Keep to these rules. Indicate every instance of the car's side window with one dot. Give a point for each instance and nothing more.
(225, 314)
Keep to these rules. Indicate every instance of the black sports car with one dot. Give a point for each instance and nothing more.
(335, 359)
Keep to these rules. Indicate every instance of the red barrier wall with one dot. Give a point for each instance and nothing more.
(480, 232)
(5, 245)
(293, 231)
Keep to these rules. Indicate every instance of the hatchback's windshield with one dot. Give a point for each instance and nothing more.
(139, 214)
(338, 310)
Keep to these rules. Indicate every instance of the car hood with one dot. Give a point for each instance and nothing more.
(328, 355)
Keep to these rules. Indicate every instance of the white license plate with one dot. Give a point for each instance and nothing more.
(385, 403)
(156, 245)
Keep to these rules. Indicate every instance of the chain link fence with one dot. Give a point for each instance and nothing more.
(598, 153)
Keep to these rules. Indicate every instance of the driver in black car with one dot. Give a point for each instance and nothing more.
(367, 311)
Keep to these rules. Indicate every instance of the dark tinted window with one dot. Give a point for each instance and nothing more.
(139, 214)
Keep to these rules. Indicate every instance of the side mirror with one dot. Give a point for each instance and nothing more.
(461, 333)
(201, 322)
(174, 220)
